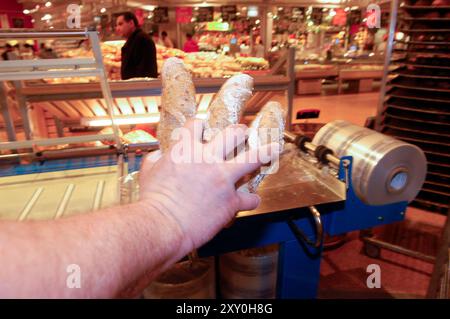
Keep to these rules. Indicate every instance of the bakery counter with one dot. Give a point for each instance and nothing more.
(309, 77)
(360, 78)
(71, 105)
(40, 91)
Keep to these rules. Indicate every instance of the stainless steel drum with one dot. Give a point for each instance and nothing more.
(185, 280)
(249, 274)
(385, 170)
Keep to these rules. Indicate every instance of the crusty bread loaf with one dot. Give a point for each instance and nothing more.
(177, 101)
(266, 128)
(226, 108)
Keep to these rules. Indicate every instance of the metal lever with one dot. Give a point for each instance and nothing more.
(319, 229)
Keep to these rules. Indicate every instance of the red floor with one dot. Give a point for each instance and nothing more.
(343, 270)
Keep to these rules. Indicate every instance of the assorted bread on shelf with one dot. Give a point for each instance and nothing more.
(200, 64)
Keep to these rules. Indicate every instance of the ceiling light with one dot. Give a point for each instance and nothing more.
(48, 4)
(46, 17)
(120, 120)
(399, 36)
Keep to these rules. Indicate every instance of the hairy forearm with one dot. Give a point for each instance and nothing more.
(112, 248)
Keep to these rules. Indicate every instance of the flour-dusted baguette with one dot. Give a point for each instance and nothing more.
(226, 108)
(177, 101)
(266, 128)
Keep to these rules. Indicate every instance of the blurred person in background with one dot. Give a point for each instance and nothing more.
(155, 37)
(139, 52)
(9, 53)
(258, 49)
(190, 45)
(166, 40)
(28, 51)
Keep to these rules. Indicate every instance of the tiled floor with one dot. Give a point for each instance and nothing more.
(344, 269)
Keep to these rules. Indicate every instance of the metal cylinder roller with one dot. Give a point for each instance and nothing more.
(385, 170)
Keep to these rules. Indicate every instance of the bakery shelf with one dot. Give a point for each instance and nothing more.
(425, 19)
(412, 117)
(422, 74)
(424, 8)
(426, 42)
(437, 168)
(427, 66)
(426, 133)
(421, 51)
(423, 111)
(420, 88)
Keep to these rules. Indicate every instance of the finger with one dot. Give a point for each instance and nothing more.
(248, 201)
(151, 158)
(227, 140)
(251, 160)
(195, 126)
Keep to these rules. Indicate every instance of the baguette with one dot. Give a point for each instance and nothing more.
(227, 106)
(177, 101)
(266, 128)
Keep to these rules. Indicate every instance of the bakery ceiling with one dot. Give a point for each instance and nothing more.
(53, 5)
(29, 4)
(53, 13)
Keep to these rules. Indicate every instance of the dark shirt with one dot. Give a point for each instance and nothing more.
(139, 56)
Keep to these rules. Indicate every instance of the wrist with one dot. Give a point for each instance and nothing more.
(168, 225)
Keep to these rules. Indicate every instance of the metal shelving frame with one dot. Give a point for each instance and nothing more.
(410, 103)
(415, 97)
(19, 70)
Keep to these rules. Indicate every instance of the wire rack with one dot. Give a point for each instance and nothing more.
(415, 106)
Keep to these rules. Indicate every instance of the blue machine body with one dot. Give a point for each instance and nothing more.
(299, 264)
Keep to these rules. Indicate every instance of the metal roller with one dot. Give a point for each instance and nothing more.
(385, 170)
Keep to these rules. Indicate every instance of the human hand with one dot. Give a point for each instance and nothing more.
(200, 196)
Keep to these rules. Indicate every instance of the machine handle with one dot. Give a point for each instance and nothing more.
(319, 229)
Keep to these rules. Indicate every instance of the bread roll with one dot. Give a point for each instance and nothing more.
(177, 100)
(226, 108)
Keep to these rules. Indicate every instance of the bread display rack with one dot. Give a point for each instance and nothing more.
(415, 105)
(50, 189)
(20, 70)
(73, 104)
